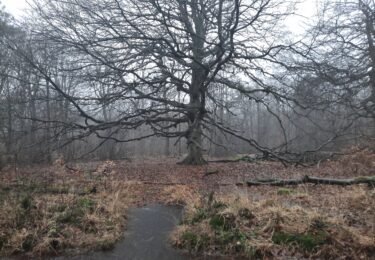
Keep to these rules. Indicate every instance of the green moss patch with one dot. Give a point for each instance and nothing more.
(285, 192)
(194, 242)
(222, 221)
(308, 241)
(200, 215)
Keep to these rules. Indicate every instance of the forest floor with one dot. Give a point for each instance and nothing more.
(76, 207)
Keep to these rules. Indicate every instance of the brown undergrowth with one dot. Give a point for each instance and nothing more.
(71, 212)
(48, 210)
(358, 161)
(278, 226)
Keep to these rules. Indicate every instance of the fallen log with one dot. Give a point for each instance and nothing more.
(370, 180)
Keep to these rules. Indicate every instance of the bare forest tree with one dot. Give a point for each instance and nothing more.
(147, 52)
(340, 55)
(79, 76)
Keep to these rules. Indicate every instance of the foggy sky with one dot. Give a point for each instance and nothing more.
(295, 23)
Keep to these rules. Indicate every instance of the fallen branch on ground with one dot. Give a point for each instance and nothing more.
(179, 183)
(72, 169)
(246, 158)
(210, 173)
(224, 161)
(370, 180)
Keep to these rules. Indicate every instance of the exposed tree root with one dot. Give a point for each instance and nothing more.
(370, 180)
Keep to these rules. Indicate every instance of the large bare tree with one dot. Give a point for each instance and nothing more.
(161, 61)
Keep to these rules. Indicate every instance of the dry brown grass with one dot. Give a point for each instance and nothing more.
(280, 227)
(181, 195)
(68, 214)
(102, 193)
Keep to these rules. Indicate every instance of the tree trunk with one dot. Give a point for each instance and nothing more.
(194, 143)
(196, 29)
(166, 146)
(9, 139)
(196, 113)
(48, 108)
(219, 151)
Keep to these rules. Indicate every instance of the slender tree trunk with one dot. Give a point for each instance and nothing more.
(259, 134)
(48, 108)
(167, 144)
(9, 141)
(219, 139)
(166, 147)
(179, 127)
(32, 109)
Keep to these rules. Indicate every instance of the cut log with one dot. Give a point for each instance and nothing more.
(370, 180)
